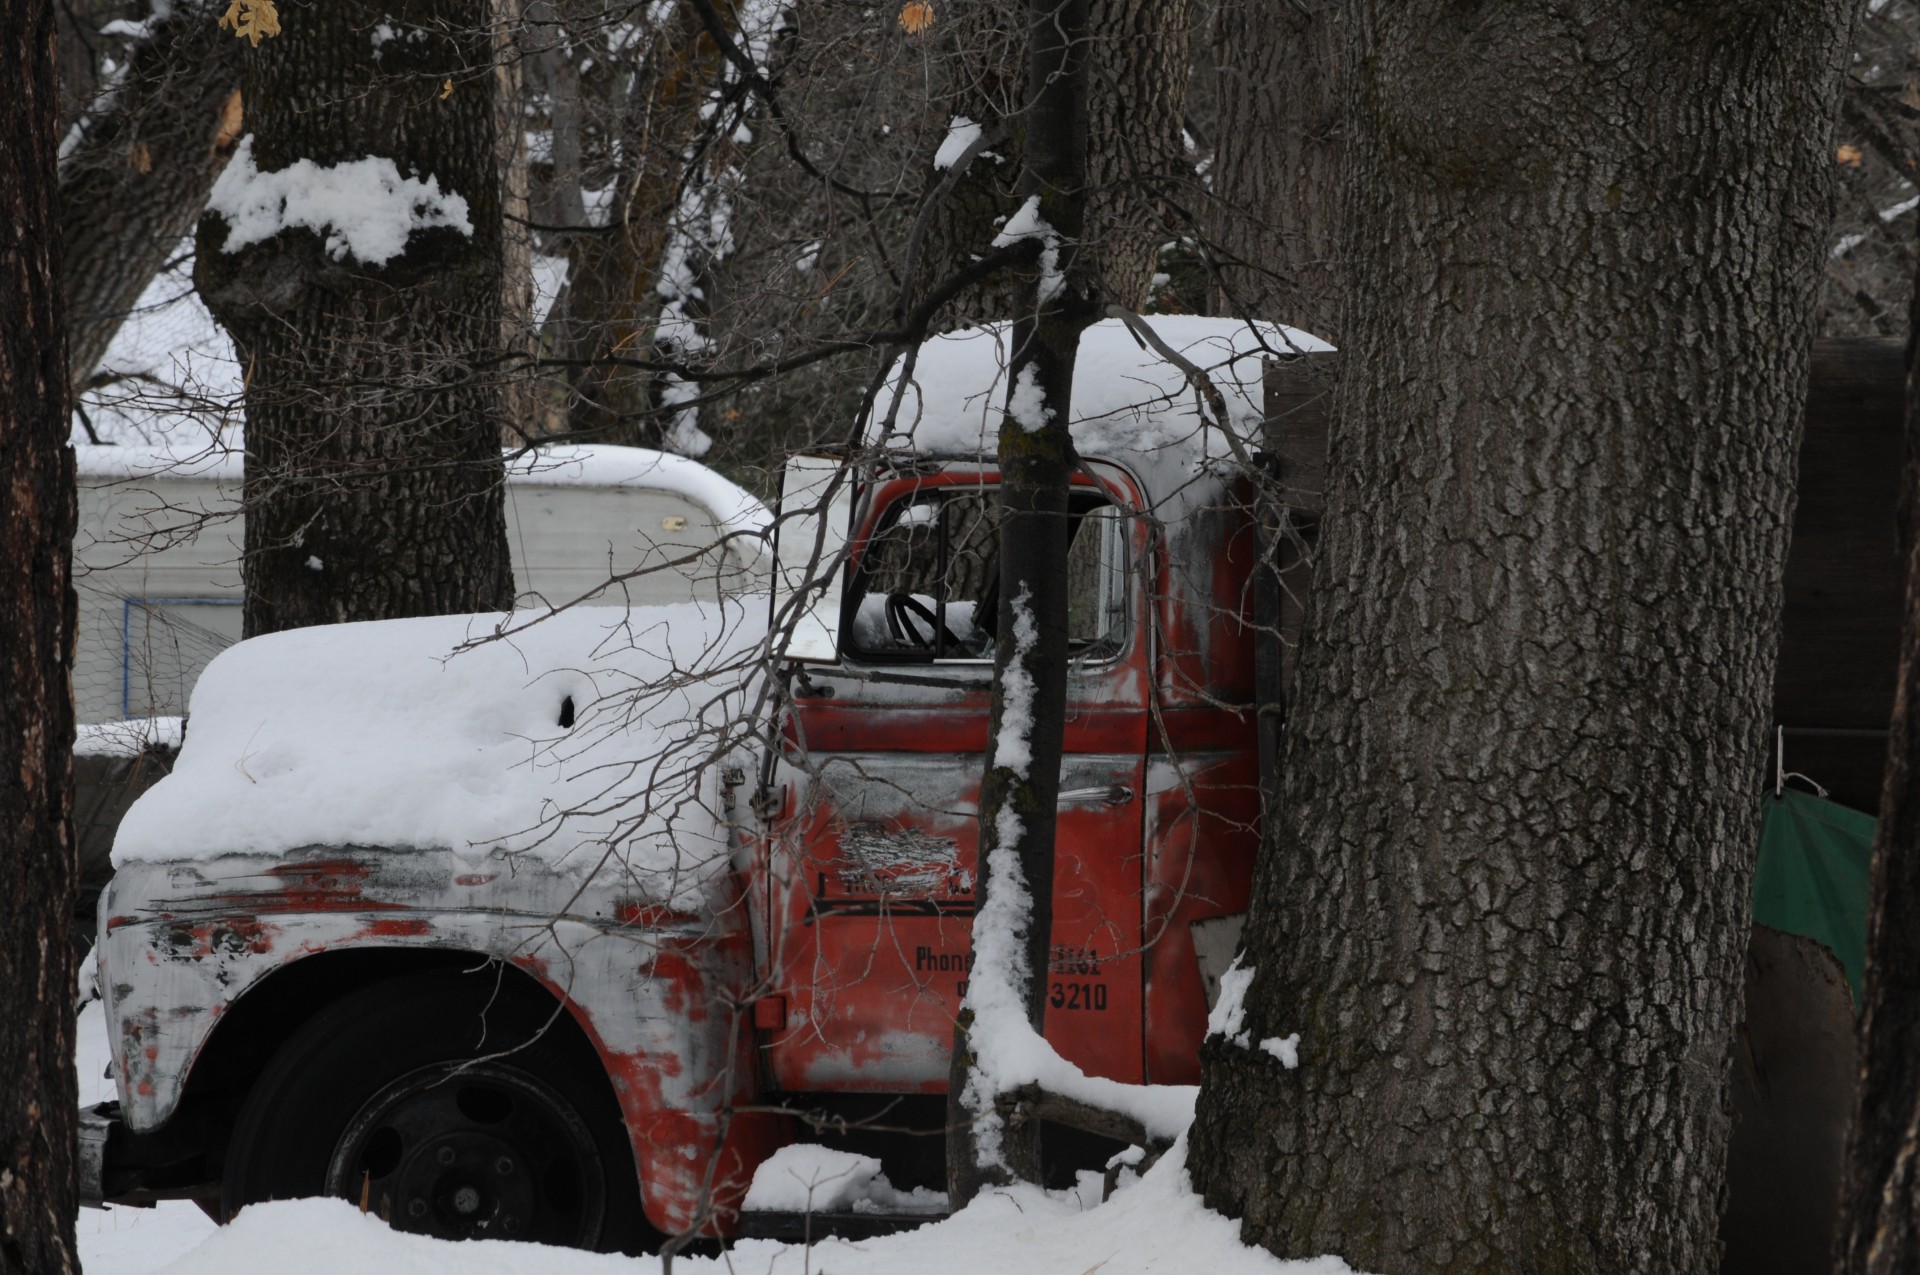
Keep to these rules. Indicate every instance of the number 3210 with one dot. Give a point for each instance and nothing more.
(1078, 996)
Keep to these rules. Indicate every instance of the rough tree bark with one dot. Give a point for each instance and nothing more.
(1276, 163)
(612, 303)
(1880, 1194)
(136, 180)
(1505, 904)
(1019, 795)
(39, 869)
(1138, 53)
(1136, 110)
(984, 60)
(374, 405)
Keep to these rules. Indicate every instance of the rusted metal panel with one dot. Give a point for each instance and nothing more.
(663, 1005)
(866, 894)
(1203, 600)
(1202, 836)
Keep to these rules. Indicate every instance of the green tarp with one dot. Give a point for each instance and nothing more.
(1812, 876)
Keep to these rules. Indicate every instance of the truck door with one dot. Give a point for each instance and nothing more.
(867, 893)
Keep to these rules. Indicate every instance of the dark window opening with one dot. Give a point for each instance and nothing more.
(927, 587)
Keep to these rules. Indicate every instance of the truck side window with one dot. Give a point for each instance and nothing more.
(928, 584)
(1097, 582)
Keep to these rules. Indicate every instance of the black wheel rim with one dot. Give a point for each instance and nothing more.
(481, 1151)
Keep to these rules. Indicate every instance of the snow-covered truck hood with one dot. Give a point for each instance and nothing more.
(447, 734)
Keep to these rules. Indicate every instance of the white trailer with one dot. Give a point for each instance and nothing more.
(158, 553)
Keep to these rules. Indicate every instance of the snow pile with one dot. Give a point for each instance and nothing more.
(170, 370)
(1028, 403)
(805, 1178)
(127, 738)
(385, 33)
(1285, 1048)
(166, 460)
(1128, 402)
(422, 734)
(1153, 1225)
(1012, 746)
(363, 208)
(961, 133)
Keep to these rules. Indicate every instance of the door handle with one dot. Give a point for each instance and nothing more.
(1112, 795)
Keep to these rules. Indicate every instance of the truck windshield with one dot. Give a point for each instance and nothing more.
(927, 587)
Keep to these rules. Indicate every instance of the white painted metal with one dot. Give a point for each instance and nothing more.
(157, 570)
(810, 551)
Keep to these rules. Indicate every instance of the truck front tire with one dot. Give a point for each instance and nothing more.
(449, 1105)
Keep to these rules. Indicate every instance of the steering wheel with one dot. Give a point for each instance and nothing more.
(902, 609)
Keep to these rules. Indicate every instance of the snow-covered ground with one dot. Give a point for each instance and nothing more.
(1154, 1224)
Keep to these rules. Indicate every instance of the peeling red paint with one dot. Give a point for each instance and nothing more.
(313, 885)
(398, 927)
(651, 915)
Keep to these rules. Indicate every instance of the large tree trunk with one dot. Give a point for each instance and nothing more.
(1138, 165)
(1276, 162)
(613, 301)
(1137, 169)
(984, 64)
(39, 1193)
(139, 174)
(1505, 905)
(1880, 1196)
(518, 340)
(374, 406)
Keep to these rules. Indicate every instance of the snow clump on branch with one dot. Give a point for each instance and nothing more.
(1029, 224)
(1228, 1013)
(363, 208)
(961, 133)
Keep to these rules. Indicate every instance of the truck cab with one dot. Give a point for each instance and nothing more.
(557, 926)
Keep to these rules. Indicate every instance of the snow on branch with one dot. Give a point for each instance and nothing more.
(363, 208)
(1011, 1059)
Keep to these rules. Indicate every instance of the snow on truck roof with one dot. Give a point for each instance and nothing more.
(418, 734)
(733, 508)
(415, 734)
(1129, 403)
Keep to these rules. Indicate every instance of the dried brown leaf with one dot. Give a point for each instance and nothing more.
(915, 17)
(252, 20)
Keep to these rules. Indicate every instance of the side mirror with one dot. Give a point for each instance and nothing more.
(810, 556)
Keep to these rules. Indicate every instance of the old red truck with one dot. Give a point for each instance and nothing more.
(560, 936)
(557, 928)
